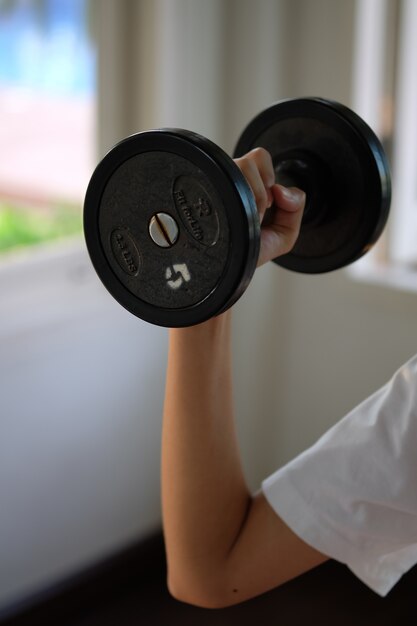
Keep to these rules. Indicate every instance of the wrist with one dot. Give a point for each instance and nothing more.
(218, 326)
(204, 348)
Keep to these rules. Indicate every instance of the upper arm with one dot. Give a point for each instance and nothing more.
(266, 554)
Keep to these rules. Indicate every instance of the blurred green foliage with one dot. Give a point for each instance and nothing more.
(23, 227)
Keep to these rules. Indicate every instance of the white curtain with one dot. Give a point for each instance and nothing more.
(208, 66)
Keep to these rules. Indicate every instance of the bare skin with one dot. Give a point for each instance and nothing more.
(223, 544)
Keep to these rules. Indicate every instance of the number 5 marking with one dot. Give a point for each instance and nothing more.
(177, 275)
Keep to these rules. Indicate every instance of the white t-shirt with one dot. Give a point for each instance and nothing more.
(353, 495)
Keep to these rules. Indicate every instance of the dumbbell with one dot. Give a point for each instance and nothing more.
(171, 224)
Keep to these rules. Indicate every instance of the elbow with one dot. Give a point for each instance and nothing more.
(192, 593)
(206, 594)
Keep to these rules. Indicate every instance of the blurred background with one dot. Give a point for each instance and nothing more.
(81, 380)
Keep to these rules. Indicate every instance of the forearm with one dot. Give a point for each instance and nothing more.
(222, 545)
(204, 495)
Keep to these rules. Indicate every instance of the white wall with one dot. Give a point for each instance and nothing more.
(80, 418)
(335, 342)
(81, 380)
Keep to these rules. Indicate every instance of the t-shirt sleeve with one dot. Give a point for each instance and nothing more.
(353, 495)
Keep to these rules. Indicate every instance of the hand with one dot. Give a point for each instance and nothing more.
(281, 231)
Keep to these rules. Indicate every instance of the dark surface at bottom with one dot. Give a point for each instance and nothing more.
(130, 589)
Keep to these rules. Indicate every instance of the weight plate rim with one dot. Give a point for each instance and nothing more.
(372, 147)
(233, 282)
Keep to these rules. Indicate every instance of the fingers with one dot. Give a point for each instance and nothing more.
(281, 233)
(289, 199)
(280, 230)
(258, 170)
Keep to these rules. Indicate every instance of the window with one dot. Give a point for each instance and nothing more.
(47, 113)
(404, 231)
(385, 95)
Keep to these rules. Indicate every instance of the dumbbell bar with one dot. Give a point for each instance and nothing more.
(171, 224)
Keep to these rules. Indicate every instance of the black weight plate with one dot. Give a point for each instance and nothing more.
(181, 174)
(331, 153)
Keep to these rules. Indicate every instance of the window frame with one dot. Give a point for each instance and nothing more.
(385, 95)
